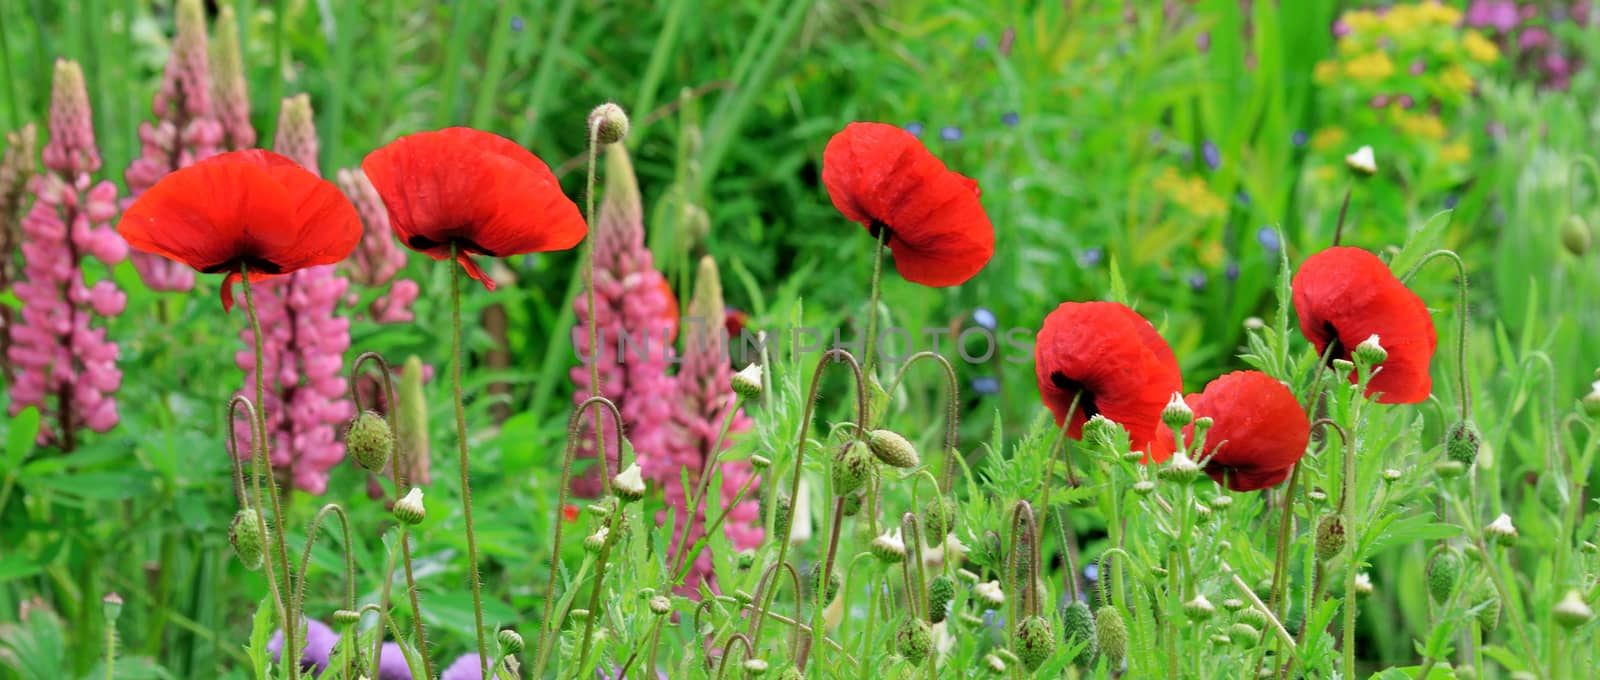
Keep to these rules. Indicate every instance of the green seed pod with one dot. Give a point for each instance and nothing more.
(1035, 641)
(852, 466)
(1461, 442)
(1112, 633)
(893, 449)
(1444, 571)
(249, 543)
(370, 441)
(1330, 537)
(1575, 235)
(938, 520)
(913, 640)
(1078, 624)
(1488, 606)
(941, 591)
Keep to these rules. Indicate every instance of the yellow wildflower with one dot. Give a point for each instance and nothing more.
(1424, 125)
(1327, 138)
(1370, 66)
(1455, 153)
(1189, 193)
(1361, 21)
(1326, 72)
(1323, 173)
(1457, 79)
(1440, 13)
(1478, 47)
(1401, 19)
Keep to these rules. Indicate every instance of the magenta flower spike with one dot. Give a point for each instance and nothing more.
(64, 364)
(228, 88)
(378, 257)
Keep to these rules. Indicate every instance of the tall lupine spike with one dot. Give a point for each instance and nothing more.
(702, 402)
(303, 344)
(634, 308)
(379, 257)
(17, 167)
(228, 89)
(184, 131)
(64, 366)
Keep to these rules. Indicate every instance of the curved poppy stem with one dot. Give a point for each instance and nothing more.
(290, 630)
(951, 414)
(767, 583)
(1338, 230)
(614, 530)
(869, 357)
(1066, 455)
(244, 501)
(461, 439)
(1461, 333)
(349, 558)
(594, 326)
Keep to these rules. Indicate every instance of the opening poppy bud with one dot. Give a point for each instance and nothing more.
(1035, 642)
(888, 547)
(938, 520)
(1370, 352)
(1233, 604)
(1363, 584)
(370, 441)
(1449, 469)
(1330, 537)
(596, 541)
(608, 123)
(941, 591)
(1362, 162)
(913, 640)
(989, 593)
(1572, 611)
(1144, 487)
(249, 543)
(1391, 475)
(629, 484)
(1077, 624)
(1487, 610)
(893, 449)
(1180, 469)
(852, 467)
(1199, 608)
(995, 664)
(579, 615)
(111, 608)
(1255, 617)
(1461, 442)
(344, 618)
(1342, 367)
(1244, 635)
(510, 641)
(760, 462)
(1501, 530)
(409, 508)
(1575, 235)
(747, 383)
(1104, 432)
(755, 668)
(1444, 570)
(1112, 632)
(1176, 413)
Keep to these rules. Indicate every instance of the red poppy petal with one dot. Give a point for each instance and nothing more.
(1101, 347)
(953, 240)
(211, 213)
(1349, 294)
(1258, 432)
(329, 226)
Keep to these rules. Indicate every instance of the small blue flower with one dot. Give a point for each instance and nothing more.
(1268, 238)
(986, 384)
(1010, 118)
(1450, 201)
(984, 317)
(516, 24)
(914, 128)
(1299, 138)
(1243, 197)
(1090, 257)
(1232, 271)
(981, 42)
(1212, 156)
(1197, 281)
(950, 133)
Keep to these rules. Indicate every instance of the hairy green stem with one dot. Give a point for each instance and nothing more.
(474, 578)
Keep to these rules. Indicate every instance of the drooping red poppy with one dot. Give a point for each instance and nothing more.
(252, 210)
(1258, 430)
(1112, 361)
(884, 178)
(481, 192)
(1344, 295)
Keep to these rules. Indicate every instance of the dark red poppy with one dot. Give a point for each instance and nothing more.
(252, 210)
(479, 191)
(1112, 361)
(1343, 296)
(884, 178)
(1258, 430)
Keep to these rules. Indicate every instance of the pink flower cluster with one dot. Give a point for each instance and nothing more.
(66, 367)
(1527, 30)
(184, 132)
(378, 257)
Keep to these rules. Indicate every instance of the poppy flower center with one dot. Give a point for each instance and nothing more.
(1085, 398)
(252, 264)
(423, 243)
(880, 231)
(1335, 348)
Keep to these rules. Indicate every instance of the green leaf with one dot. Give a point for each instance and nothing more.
(1119, 290)
(17, 565)
(24, 431)
(1421, 242)
(261, 627)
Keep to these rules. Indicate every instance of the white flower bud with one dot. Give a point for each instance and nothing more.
(1362, 161)
(409, 509)
(747, 383)
(629, 484)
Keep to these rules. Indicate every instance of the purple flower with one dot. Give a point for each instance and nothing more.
(1090, 257)
(465, 667)
(316, 646)
(914, 128)
(1197, 281)
(983, 316)
(1299, 138)
(1212, 156)
(950, 133)
(1268, 238)
(1010, 119)
(986, 384)
(392, 663)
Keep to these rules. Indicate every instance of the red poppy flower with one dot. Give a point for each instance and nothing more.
(1343, 296)
(1112, 361)
(479, 191)
(1258, 430)
(569, 512)
(253, 210)
(882, 176)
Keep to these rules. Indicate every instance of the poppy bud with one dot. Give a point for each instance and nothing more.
(1363, 584)
(1255, 617)
(1444, 570)
(1391, 475)
(747, 383)
(970, 621)
(344, 618)
(1221, 503)
(629, 484)
(989, 593)
(409, 509)
(742, 597)
(1362, 162)
(780, 520)
(1330, 537)
(938, 520)
(1133, 457)
(579, 615)
(1448, 469)
(1103, 432)
(1233, 604)
(791, 673)
(111, 608)
(370, 441)
(1317, 496)
(1144, 487)
(510, 641)
(1488, 611)
(760, 462)
(941, 590)
(1035, 642)
(832, 586)
(893, 449)
(1572, 611)
(1176, 413)
(1199, 608)
(1370, 353)
(1244, 635)
(1221, 640)
(608, 123)
(1461, 442)
(852, 504)
(1575, 235)
(1501, 530)
(596, 541)
(995, 664)
(888, 547)
(1077, 623)
(967, 575)
(852, 466)
(249, 543)
(745, 559)
(1591, 401)
(1112, 632)
(1342, 367)
(913, 640)
(1180, 469)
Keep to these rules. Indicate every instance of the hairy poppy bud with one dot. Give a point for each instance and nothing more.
(1180, 469)
(989, 593)
(1591, 401)
(249, 542)
(1391, 475)
(1176, 413)
(852, 504)
(747, 383)
(409, 509)
(913, 639)
(852, 467)
(1572, 611)
(782, 506)
(596, 541)
(1370, 353)
(1448, 469)
(1199, 608)
(608, 123)
(1488, 611)
(893, 449)
(629, 484)
(579, 615)
(1133, 457)
(1221, 640)
(1144, 487)
(1330, 537)
(1077, 623)
(941, 590)
(510, 641)
(370, 441)
(1575, 235)
(1112, 632)
(760, 462)
(1244, 635)
(1317, 496)
(344, 618)
(1255, 617)
(660, 605)
(938, 519)
(1343, 367)
(888, 547)
(1221, 502)
(1501, 530)
(755, 668)
(1233, 604)
(1444, 570)
(1103, 432)
(1461, 442)
(995, 664)
(970, 621)
(1362, 162)
(831, 589)
(1035, 642)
